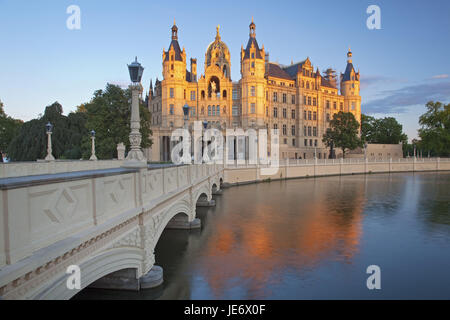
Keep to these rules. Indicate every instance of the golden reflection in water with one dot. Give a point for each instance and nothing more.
(297, 236)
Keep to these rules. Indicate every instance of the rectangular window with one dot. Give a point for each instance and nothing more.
(341, 106)
(275, 97)
(172, 92)
(309, 101)
(209, 110)
(310, 142)
(293, 114)
(235, 111)
(314, 115)
(275, 112)
(284, 130)
(315, 131)
(293, 130)
(328, 117)
(314, 101)
(235, 94)
(315, 143)
(293, 99)
(284, 113)
(309, 115)
(328, 104)
(309, 131)
(304, 114)
(275, 126)
(334, 105)
(218, 110)
(213, 110)
(306, 144)
(252, 91)
(304, 99)
(284, 97)
(192, 95)
(304, 130)
(252, 108)
(171, 109)
(293, 144)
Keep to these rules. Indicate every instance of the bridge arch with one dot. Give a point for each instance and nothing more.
(96, 267)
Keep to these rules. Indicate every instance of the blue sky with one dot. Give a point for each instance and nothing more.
(403, 65)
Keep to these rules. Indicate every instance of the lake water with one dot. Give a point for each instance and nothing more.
(312, 239)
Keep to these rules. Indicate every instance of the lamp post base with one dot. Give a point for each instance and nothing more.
(49, 157)
(135, 159)
(93, 158)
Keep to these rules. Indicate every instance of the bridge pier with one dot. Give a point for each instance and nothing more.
(206, 203)
(217, 192)
(183, 223)
(126, 280)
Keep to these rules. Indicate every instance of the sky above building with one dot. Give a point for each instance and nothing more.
(403, 65)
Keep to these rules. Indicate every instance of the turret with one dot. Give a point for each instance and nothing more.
(174, 60)
(253, 82)
(350, 88)
(193, 70)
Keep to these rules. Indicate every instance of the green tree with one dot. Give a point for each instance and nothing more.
(435, 129)
(343, 132)
(9, 128)
(384, 131)
(30, 143)
(109, 113)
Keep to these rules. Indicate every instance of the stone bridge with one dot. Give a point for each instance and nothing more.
(105, 221)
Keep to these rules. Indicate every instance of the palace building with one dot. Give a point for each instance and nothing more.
(296, 99)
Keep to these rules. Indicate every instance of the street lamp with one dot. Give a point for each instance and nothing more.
(365, 150)
(186, 115)
(93, 157)
(49, 128)
(135, 157)
(205, 125)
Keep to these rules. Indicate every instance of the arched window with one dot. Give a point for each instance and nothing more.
(224, 94)
(213, 110)
(209, 110)
(307, 85)
(218, 111)
(225, 71)
(203, 94)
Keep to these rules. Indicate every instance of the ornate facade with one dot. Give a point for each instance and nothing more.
(294, 99)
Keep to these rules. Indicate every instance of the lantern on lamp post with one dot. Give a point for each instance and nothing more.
(49, 128)
(135, 157)
(93, 156)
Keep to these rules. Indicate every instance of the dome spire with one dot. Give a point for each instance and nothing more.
(218, 33)
(349, 55)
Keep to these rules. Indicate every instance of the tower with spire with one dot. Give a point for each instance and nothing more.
(350, 86)
(253, 82)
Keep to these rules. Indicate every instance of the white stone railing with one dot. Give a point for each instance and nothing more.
(243, 172)
(19, 169)
(45, 219)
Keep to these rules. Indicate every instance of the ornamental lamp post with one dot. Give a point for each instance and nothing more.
(205, 125)
(186, 115)
(49, 128)
(135, 157)
(93, 156)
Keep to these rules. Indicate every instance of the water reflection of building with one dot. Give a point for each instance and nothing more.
(253, 253)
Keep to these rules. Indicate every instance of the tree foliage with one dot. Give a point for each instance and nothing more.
(8, 129)
(109, 113)
(384, 131)
(343, 132)
(435, 129)
(30, 143)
